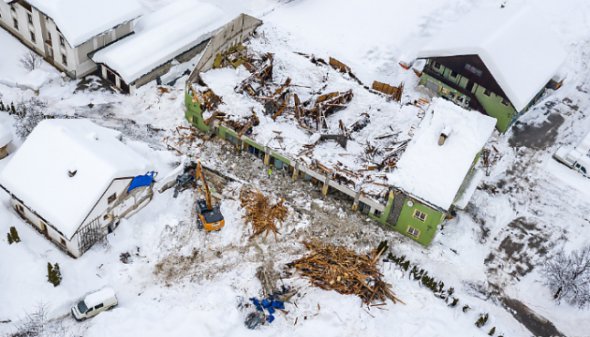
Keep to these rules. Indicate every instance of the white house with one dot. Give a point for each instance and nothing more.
(172, 34)
(74, 180)
(65, 32)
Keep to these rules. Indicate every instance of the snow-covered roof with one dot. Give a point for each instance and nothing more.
(80, 20)
(38, 173)
(161, 36)
(435, 173)
(98, 297)
(513, 42)
(5, 135)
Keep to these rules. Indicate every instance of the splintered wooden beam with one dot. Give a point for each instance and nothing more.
(281, 108)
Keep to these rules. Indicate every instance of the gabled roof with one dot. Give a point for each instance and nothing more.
(38, 173)
(435, 173)
(160, 37)
(81, 20)
(513, 42)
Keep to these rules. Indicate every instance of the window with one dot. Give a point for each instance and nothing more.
(32, 36)
(112, 198)
(13, 10)
(63, 241)
(453, 73)
(15, 23)
(487, 92)
(49, 37)
(473, 69)
(420, 215)
(505, 101)
(98, 306)
(435, 65)
(64, 59)
(30, 18)
(62, 42)
(413, 232)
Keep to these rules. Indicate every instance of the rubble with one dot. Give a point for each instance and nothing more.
(331, 267)
(394, 92)
(260, 213)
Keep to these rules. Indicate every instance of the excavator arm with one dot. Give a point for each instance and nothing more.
(200, 176)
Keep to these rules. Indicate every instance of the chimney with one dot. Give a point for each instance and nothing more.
(444, 134)
(72, 173)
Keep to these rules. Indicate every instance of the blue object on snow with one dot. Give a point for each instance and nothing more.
(256, 303)
(278, 305)
(265, 303)
(140, 181)
(270, 318)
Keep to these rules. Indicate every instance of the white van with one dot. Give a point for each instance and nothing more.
(94, 303)
(577, 158)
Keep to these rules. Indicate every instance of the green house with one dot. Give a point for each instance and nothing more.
(437, 173)
(498, 61)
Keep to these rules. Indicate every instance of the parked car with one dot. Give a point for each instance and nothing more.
(577, 158)
(94, 303)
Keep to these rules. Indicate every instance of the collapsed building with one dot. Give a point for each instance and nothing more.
(406, 165)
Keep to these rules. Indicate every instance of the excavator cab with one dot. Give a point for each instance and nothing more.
(208, 216)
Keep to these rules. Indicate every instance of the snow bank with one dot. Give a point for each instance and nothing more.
(161, 36)
(434, 172)
(38, 173)
(80, 20)
(514, 43)
(5, 135)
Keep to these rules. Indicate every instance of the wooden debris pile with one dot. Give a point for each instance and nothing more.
(331, 267)
(389, 90)
(233, 57)
(261, 213)
(312, 113)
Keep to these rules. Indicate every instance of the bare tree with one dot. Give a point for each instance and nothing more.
(30, 61)
(568, 276)
(33, 324)
(28, 114)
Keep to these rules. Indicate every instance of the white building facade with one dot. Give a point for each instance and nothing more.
(66, 32)
(74, 181)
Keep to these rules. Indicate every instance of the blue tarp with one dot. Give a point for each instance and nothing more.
(270, 304)
(140, 181)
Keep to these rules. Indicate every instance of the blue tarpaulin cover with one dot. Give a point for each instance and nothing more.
(270, 304)
(140, 181)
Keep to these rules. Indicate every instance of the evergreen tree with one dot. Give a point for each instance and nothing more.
(14, 234)
(53, 274)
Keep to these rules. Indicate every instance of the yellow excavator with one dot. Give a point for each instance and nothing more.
(208, 216)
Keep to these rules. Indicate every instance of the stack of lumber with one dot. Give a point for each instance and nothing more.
(261, 213)
(331, 267)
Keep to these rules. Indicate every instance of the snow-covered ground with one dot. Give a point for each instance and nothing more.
(181, 281)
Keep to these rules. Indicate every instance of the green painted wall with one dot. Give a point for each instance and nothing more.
(444, 90)
(492, 104)
(407, 219)
(494, 107)
(193, 112)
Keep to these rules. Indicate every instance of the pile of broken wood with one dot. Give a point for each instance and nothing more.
(331, 267)
(261, 212)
